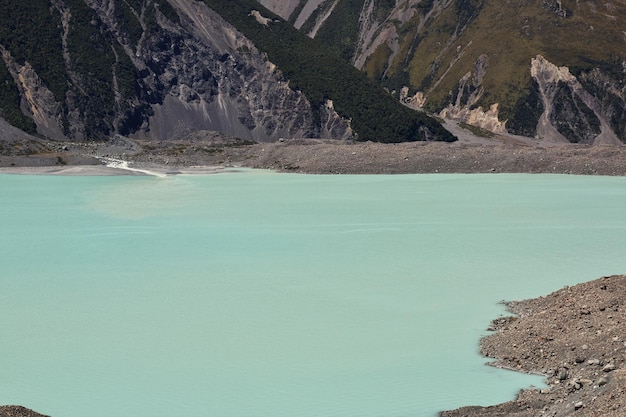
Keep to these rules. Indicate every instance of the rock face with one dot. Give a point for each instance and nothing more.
(553, 69)
(366, 25)
(569, 111)
(159, 70)
(37, 100)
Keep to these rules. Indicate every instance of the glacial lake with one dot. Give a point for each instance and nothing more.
(256, 294)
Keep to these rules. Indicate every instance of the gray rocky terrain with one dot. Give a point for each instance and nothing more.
(18, 411)
(470, 154)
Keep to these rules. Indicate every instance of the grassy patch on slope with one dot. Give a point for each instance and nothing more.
(511, 33)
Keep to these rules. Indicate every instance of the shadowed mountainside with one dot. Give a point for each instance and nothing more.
(91, 69)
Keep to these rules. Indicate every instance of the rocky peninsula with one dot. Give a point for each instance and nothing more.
(576, 337)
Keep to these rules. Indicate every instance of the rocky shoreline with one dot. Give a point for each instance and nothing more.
(18, 411)
(471, 154)
(576, 337)
(320, 157)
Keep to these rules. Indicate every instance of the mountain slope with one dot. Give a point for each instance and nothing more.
(90, 69)
(374, 114)
(537, 68)
(93, 69)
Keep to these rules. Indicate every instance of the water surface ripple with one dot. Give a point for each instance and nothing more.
(255, 294)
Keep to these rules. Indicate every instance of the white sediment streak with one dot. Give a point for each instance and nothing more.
(121, 164)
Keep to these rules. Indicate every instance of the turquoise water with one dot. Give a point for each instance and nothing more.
(255, 294)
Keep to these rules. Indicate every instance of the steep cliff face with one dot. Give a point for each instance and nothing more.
(569, 111)
(478, 60)
(37, 100)
(218, 80)
(312, 14)
(152, 69)
(355, 29)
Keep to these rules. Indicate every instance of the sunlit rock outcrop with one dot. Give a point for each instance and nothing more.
(569, 111)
